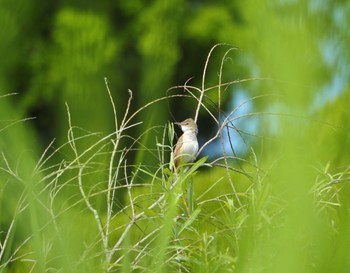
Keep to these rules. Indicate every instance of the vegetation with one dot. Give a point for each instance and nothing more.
(87, 186)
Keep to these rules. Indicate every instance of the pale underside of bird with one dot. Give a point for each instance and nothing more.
(186, 148)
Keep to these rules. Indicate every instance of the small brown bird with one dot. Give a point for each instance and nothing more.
(187, 146)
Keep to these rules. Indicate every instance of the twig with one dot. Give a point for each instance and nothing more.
(220, 131)
(4, 244)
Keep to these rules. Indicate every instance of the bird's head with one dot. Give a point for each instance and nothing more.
(188, 125)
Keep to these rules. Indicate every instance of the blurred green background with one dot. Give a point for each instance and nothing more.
(58, 52)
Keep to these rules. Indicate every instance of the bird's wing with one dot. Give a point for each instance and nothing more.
(177, 153)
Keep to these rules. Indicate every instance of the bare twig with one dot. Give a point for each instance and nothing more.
(4, 244)
(16, 122)
(204, 78)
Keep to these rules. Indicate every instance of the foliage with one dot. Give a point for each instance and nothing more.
(262, 216)
(87, 186)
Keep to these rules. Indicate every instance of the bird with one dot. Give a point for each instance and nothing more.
(186, 148)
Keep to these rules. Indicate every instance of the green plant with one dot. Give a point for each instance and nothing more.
(261, 213)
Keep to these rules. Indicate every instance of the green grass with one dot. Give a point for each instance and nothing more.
(278, 209)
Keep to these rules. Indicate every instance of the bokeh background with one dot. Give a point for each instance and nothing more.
(60, 51)
(295, 54)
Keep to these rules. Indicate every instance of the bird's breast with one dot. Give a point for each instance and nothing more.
(190, 144)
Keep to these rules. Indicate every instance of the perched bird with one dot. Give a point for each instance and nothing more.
(187, 146)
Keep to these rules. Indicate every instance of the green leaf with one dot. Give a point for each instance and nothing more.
(190, 220)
